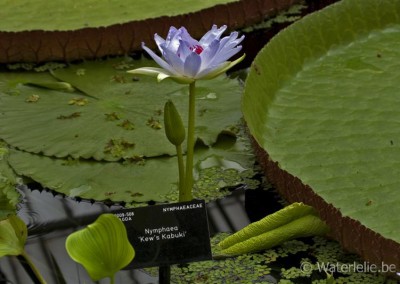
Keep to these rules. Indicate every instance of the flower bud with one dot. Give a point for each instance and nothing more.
(174, 128)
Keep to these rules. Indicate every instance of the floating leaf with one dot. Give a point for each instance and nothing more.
(322, 99)
(107, 111)
(13, 234)
(102, 248)
(80, 15)
(9, 197)
(155, 179)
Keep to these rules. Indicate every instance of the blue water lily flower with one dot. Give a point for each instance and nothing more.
(186, 60)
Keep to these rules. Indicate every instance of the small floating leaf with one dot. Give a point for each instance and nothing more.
(154, 123)
(102, 248)
(78, 101)
(72, 115)
(33, 99)
(112, 116)
(80, 72)
(118, 147)
(127, 125)
(13, 234)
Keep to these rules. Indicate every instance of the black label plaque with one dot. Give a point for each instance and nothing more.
(167, 234)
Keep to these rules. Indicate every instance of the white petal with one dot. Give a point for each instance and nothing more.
(159, 41)
(158, 59)
(208, 54)
(173, 42)
(173, 60)
(211, 70)
(192, 65)
(151, 71)
(183, 50)
(172, 31)
(216, 71)
(225, 55)
(185, 36)
(212, 34)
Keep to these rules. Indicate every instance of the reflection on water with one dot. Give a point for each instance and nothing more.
(51, 218)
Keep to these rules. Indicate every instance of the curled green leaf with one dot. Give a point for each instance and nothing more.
(102, 248)
(270, 222)
(295, 221)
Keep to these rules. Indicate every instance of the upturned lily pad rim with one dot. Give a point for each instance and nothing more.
(294, 47)
(124, 38)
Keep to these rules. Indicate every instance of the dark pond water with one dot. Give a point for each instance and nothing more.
(51, 218)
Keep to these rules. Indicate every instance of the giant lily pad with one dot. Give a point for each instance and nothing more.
(36, 31)
(111, 117)
(34, 15)
(322, 99)
(153, 179)
(98, 134)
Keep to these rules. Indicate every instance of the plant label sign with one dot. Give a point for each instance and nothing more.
(167, 234)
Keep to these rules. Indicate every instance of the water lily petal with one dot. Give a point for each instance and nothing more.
(212, 70)
(159, 41)
(183, 50)
(223, 56)
(171, 33)
(173, 60)
(158, 59)
(218, 70)
(208, 54)
(173, 40)
(230, 41)
(185, 36)
(151, 71)
(192, 65)
(178, 79)
(212, 35)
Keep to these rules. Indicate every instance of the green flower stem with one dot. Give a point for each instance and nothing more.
(33, 267)
(112, 279)
(187, 192)
(181, 167)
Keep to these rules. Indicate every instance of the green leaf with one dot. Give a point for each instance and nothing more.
(34, 15)
(102, 248)
(304, 226)
(13, 234)
(322, 99)
(9, 197)
(107, 119)
(105, 140)
(284, 216)
(135, 181)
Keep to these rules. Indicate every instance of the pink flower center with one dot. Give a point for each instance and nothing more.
(197, 48)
